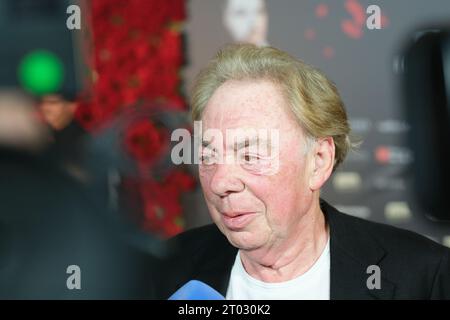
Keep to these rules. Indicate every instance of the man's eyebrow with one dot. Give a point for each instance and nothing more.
(241, 144)
(250, 141)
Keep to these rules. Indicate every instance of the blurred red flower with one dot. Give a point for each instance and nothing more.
(162, 208)
(145, 142)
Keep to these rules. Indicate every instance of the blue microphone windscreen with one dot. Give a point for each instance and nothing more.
(196, 290)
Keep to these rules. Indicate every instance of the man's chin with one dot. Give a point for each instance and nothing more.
(243, 240)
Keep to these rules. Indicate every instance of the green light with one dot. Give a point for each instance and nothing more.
(41, 72)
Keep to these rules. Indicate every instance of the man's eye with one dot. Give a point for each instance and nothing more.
(248, 158)
(207, 160)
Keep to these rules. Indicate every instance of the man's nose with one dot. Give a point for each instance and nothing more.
(226, 180)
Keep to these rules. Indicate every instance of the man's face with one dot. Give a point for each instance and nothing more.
(56, 111)
(252, 203)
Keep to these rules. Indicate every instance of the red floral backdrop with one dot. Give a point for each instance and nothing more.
(135, 62)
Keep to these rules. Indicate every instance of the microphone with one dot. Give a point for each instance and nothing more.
(196, 290)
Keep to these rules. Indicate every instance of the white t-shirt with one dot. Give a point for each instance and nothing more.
(314, 284)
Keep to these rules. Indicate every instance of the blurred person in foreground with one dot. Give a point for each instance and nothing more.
(68, 138)
(273, 237)
(50, 223)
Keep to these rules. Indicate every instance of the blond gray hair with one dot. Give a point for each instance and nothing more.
(312, 97)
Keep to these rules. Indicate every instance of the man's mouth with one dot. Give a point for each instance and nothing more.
(237, 220)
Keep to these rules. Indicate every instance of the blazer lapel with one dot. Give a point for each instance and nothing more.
(348, 278)
(352, 252)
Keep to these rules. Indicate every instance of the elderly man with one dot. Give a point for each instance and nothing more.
(273, 237)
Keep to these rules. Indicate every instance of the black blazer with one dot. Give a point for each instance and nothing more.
(412, 266)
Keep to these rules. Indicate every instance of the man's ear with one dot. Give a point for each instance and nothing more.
(322, 162)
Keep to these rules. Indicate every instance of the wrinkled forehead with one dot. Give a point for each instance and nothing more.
(248, 105)
(253, 110)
